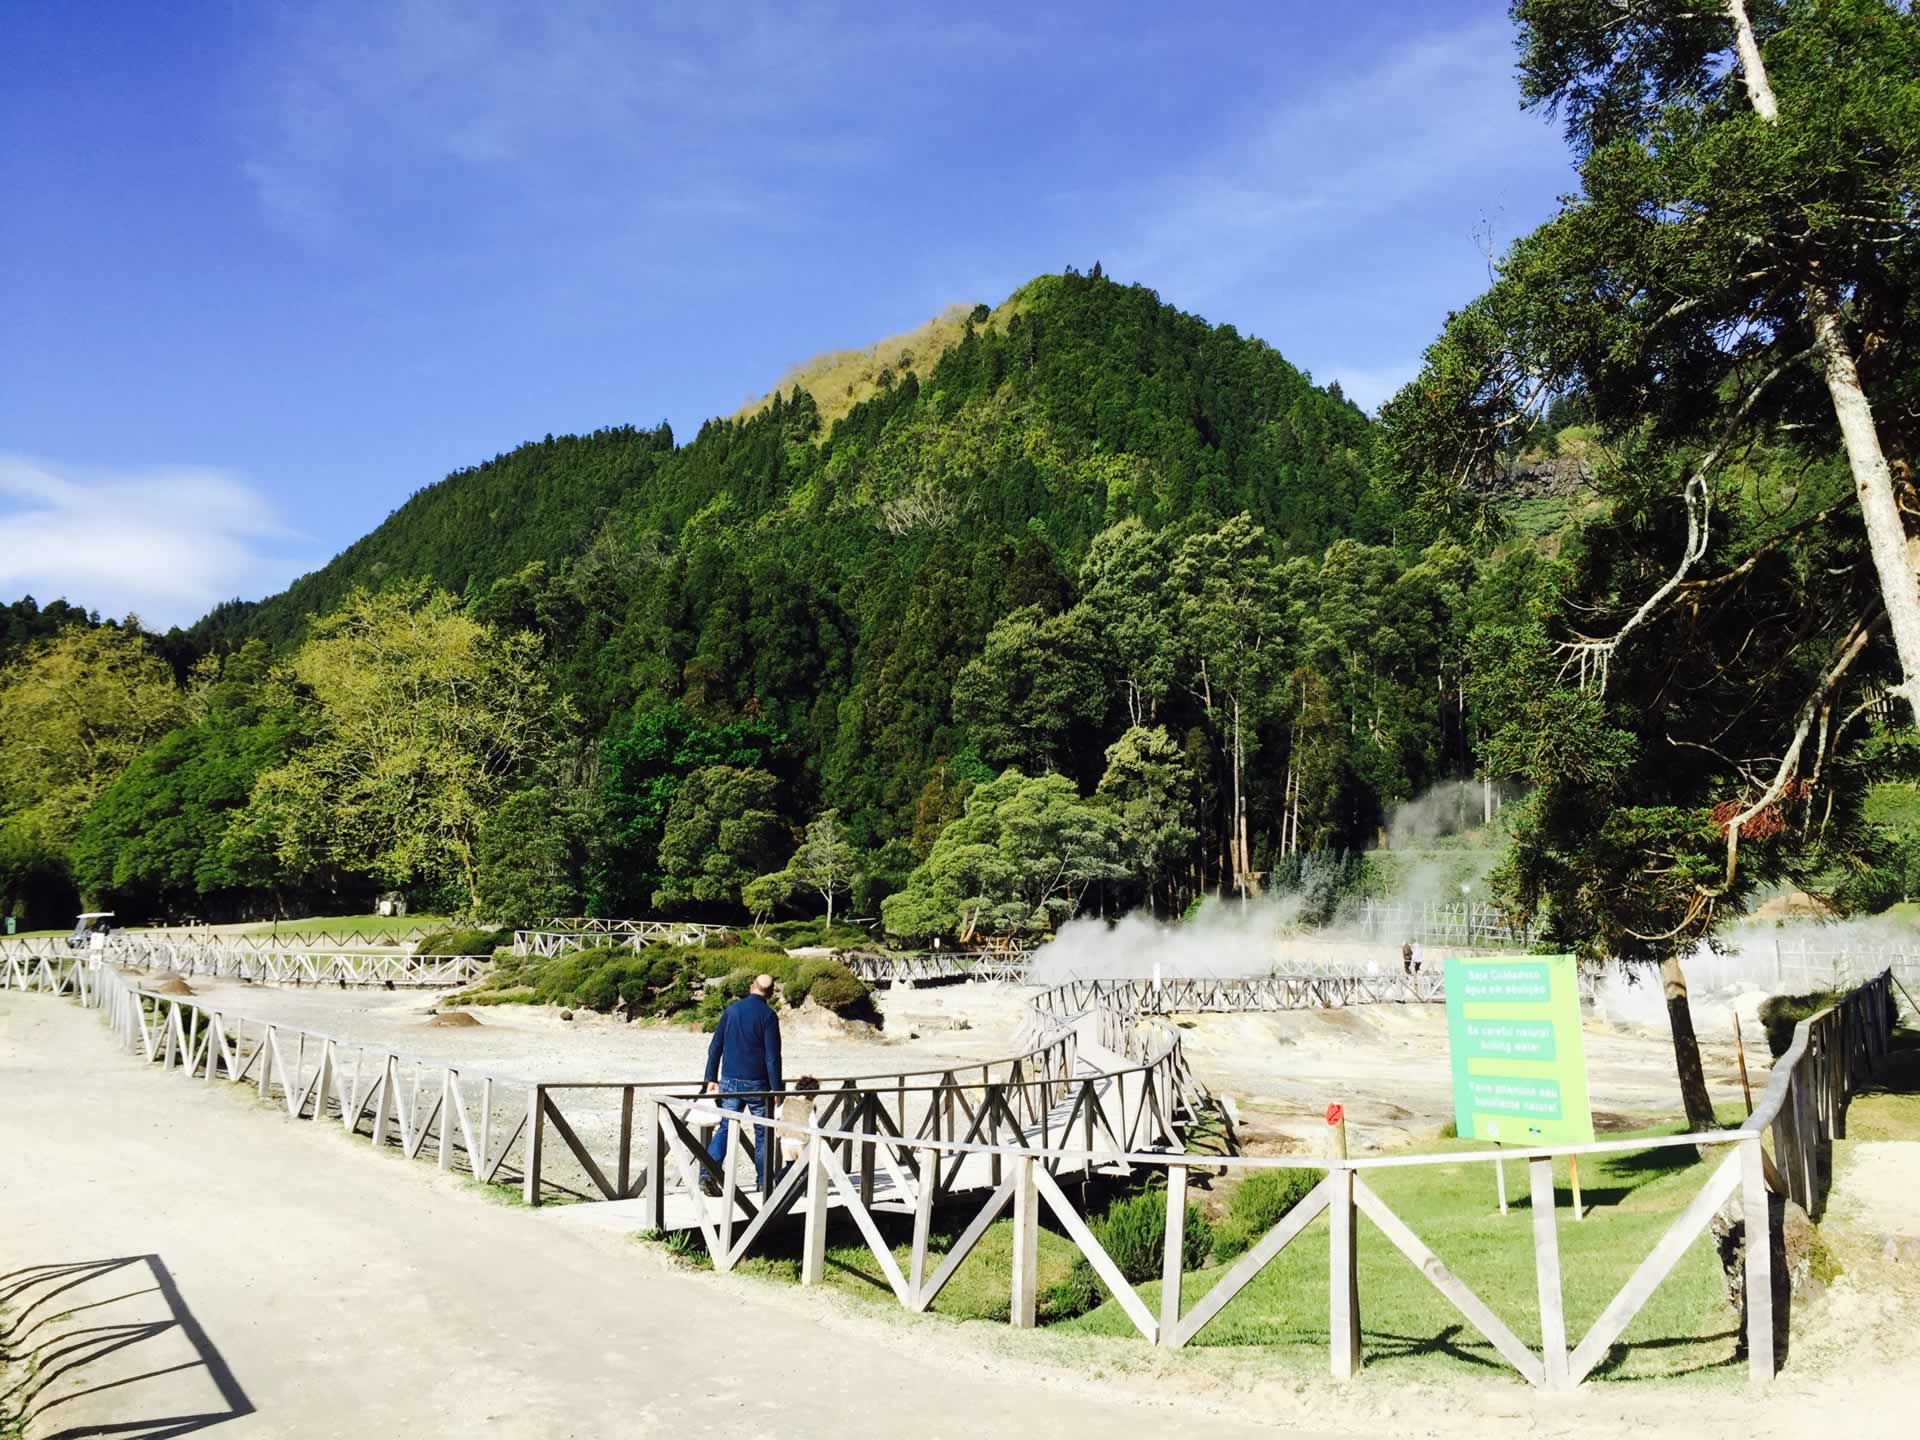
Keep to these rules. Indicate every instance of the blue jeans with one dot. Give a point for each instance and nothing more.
(731, 1098)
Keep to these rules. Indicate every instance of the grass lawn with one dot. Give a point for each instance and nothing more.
(365, 925)
(1889, 1108)
(1408, 1329)
(339, 925)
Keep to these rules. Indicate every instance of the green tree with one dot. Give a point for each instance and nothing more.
(422, 721)
(641, 769)
(721, 831)
(164, 832)
(1150, 791)
(75, 711)
(1018, 862)
(527, 857)
(1727, 297)
(1228, 589)
(1123, 594)
(1741, 257)
(1032, 686)
(825, 861)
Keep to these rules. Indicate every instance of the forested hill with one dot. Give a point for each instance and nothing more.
(1054, 411)
(1093, 520)
(538, 503)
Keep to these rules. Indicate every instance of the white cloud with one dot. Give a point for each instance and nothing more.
(165, 543)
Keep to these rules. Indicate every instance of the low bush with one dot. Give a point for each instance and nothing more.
(796, 934)
(1257, 1204)
(682, 982)
(456, 940)
(1780, 1013)
(1133, 1232)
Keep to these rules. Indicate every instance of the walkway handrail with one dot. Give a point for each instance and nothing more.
(294, 966)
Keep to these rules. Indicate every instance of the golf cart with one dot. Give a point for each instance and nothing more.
(90, 931)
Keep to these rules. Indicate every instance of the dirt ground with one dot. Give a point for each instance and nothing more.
(1387, 1065)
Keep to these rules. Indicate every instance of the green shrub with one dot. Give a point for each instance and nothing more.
(1258, 1203)
(1133, 1232)
(1075, 1295)
(1780, 1013)
(838, 989)
(455, 940)
(669, 980)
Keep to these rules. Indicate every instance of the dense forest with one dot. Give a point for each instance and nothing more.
(1040, 556)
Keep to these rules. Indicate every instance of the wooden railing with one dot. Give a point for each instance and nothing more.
(562, 937)
(1804, 1106)
(50, 972)
(913, 966)
(297, 967)
(290, 935)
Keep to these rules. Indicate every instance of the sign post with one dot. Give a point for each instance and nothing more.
(1519, 1058)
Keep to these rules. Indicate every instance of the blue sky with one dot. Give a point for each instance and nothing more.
(270, 268)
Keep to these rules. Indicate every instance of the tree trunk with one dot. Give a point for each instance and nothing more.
(1896, 558)
(1237, 828)
(1686, 1049)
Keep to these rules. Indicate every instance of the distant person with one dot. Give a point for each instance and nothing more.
(1416, 957)
(797, 1109)
(1406, 957)
(744, 1058)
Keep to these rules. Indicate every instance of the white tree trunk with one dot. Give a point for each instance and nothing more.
(1896, 558)
(1893, 552)
(1236, 827)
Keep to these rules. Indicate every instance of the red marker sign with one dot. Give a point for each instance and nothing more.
(1335, 1114)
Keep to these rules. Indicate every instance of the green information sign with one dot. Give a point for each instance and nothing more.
(1519, 1060)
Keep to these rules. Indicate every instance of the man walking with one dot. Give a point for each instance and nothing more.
(745, 1057)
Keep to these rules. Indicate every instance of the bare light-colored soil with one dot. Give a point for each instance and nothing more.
(283, 1281)
(1387, 1066)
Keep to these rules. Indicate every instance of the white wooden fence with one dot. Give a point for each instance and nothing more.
(1458, 922)
(563, 937)
(1803, 1107)
(297, 967)
(1795, 962)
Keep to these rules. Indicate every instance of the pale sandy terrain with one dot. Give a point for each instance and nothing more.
(1387, 1065)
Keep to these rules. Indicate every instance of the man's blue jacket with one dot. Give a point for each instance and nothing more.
(746, 1045)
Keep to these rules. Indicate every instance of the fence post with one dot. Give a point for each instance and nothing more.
(813, 1245)
(656, 1177)
(1172, 1264)
(1546, 1270)
(1759, 1260)
(621, 1184)
(536, 1132)
(929, 1165)
(1343, 1300)
(1026, 1243)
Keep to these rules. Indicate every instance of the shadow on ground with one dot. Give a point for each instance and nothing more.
(108, 1348)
